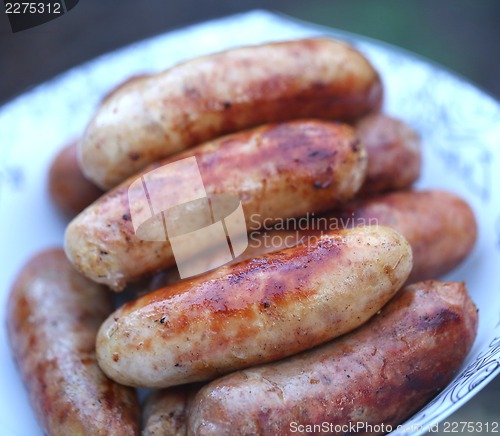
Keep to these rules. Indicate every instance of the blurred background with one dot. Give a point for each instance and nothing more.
(463, 35)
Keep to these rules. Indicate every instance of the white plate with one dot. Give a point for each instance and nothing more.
(459, 123)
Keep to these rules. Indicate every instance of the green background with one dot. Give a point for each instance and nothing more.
(461, 34)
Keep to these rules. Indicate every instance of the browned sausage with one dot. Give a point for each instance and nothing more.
(440, 227)
(53, 315)
(254, 312)
(276, 170)
(69, 189)
(379, 374)
(393, 150)
(165, 411)
(152, 117)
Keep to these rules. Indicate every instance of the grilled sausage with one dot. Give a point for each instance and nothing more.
(152, 117)
(165, 411)
(53, 315)
(70, 191)
(377, 375)
(278, 170)
(440, 227)
(393, 150)
(253, 312)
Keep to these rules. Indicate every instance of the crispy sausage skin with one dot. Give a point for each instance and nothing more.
(379, 374)
(256, 311)
(440, 227)
(394, 153)
(269, 168)
(53, 315)
(70, 191)
(165, 411)
(152, 117)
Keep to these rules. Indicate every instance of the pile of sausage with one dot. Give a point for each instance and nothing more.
(350, 328)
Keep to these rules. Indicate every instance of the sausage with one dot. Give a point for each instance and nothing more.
(393, 150)
(268, 168)
(394, 153)
(440, 227)
(373, 378)
(70, 191)
(253, 312)
(152, 117)
(165, 411)
(53, 315)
